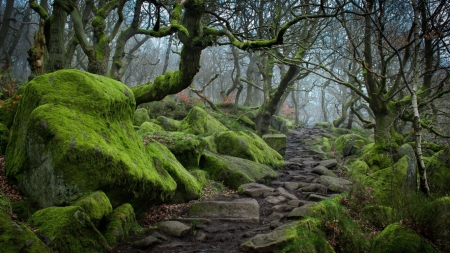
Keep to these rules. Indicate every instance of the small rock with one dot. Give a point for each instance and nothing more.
(314, 188)
(300, 212)
(269, 242)
(285, 193)
(315, 197)
(200, 236)
(282, 208)
(338, 188)
(159, 236)
(274, 224)
(276, 216)
(255, 190)
(295, 203)
(275, 199)
(267, 194)
(146, 242)
(291, 185)
(327, 180)
(322, 170)
(212, 230)
(329, 164)
(173, 228)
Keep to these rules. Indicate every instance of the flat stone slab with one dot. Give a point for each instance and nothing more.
(275, 199)
(329, 164)
(327, 180)
(291, 185)
(146, 242)
(322, 170)
(255, 190)
(173, 228)
(285, 193)
(315, 197)
(314, 188)
(269, 242)
(244, 210)
(300, 212)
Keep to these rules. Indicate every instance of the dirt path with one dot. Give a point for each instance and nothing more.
(296, 186)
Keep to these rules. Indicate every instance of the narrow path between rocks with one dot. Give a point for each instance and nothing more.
(223, 224)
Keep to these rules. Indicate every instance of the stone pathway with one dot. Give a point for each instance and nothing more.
(225, 224)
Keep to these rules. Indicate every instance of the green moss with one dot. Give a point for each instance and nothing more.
(16, 237)
(246, 121)
(140, 116)
(121, 222)
(438, 171)
(169, 124)
(397, 239)
(187, 148)
(388, 182)
(9, 107)
(378, 216)
(233, 171)
(4, 137)
(24, 208)
(198, 121)
(276, 141)
(5, 205)
(246, 145)
(68, 229)
(350, 144)
(323, 125)
(358, 170)
(201, 176)
(74, 134)
(376, 157)
(187, 186)
(149, 127)
(96, 205)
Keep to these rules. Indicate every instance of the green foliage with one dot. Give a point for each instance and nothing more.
(121, 223)
(140, 116)
(198, 121)
(438, 170)
(24, 208)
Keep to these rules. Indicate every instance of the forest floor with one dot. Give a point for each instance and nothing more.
(216, 235)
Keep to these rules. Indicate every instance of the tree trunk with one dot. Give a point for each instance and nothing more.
(54, 37)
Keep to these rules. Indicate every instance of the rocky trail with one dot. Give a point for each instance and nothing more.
(251, 220)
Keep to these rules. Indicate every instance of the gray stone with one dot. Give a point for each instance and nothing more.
(244, 210)
(276, 216)
(275, 199)
(301, 211)
(291, 185)
(282, 208)
(146, 242)
(254, 190)
(285, 193)
(411, 172)
(327, 180)
(314, 188)
(159, 236)
(338, 188)
(296, 203)
(315, 197)
(329, 164)
(173, 228)
(322, 170)
(200, 236)
(268, 242)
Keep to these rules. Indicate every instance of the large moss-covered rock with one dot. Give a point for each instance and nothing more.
(16, 237)
(375, 156)
(149, 127)
(438, 170)
(4, 137)
(188, 188)
(245, 145)
(350, 144)
(120, 223)
(198, 121)
(281, 124)
(68, 229)
(96, 205)
(169, 124)
(397, 239)
(187, 148)
(140, 116)
(277, 142)
(246, 121)
(388, 182)
(74, 135)
(234, 171)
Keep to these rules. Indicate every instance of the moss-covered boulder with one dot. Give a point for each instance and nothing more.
(281, 124)
(276, 141)
(350, 144)
(375, 157)
(202, 176)
(16, 237)
(438, 171)
(149, 127)
(198, 121)
(74, 135)
(187, 148)
(187, 186)
(68, 229)
(234, 171)
(246, 145)
(121, 223)
(4, 137)
(169, 124)
(388, 182)
(396, 238)
(358, 170)
(246, 121)
(140, 116)
(96, 205)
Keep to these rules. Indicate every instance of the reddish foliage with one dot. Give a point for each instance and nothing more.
(286, 110)
(230, 98)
